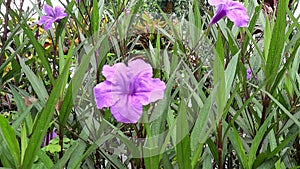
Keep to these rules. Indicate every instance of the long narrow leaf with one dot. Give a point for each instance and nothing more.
(277, 42)
(182, 137)
(41, 125)
(257, 139)
(35, 82)
(9, 138)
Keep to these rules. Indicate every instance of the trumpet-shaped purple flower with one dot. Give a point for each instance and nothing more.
(52, 15)
(234, 10)
(127, 88)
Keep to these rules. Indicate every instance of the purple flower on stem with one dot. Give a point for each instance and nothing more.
(249, 74)
(49, 136)
(52, 15)
(234, 10)
(127, 12)
(127, 88)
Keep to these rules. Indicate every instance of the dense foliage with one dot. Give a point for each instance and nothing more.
(231, 97)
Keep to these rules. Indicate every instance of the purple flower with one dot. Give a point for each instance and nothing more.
(249, 74)
(49, 136)
(234, 10)
(127, 88)
(52, 15)
(127, 12)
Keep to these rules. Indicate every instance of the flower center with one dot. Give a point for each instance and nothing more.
(132, 88)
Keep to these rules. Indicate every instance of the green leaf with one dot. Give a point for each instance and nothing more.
(152, 161)
(213, 149)
(286, 66)
(277, 43)
(183, 150)
(44, 158)
(75, 157)
(198, 132)
(257, 139)
(166, 161)
(62, 162)
(219, 80)
(10, 59)
(288, 113)
(233, 46)
(258, 49)
(9, 139)
(238, 146)
(207, 160)
(251, 27)
(40, 51)
(95, 20)
(157, 125)
(230, 74)
(24, 142)
(219, 47)
(114, 161)
(261, 158)
(76, 81)
(41, 125)
(194, 25)
(52, 148)
(35, 82)
(268, 164)
(23, 111)
(267, 38)
(197, 15)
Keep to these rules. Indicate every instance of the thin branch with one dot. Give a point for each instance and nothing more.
(5, 28)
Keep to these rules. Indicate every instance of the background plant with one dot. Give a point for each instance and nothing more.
(212, 116)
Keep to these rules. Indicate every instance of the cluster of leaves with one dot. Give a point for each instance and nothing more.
(211, 116)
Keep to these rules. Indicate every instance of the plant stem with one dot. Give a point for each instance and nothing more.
(297, 145)
(98, 160)
(61, 142)
(5, 28)
(220, 144)
(266, 103)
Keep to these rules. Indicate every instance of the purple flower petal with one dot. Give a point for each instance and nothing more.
(127, 12)
(149, 90)
(49, 10)
(237, 14)
(48, 137)
(249, 73)
(217, 2)
(52, 15)
(114, 73)
(59, 13)
(128, 109)
(139, 66)
(104, 95)
(44, 19)
(144, 86)
(234, 10)
(48, 24)
(221, 12)
(127, 89)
